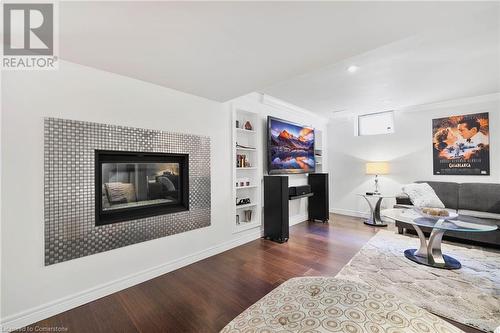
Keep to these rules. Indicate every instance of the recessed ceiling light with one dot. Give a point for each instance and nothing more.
(352, 68)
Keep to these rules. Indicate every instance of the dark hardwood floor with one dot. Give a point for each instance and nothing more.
(205, 296)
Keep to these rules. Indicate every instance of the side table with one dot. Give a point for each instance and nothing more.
(375, 220)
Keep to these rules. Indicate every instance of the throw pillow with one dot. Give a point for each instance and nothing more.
(423, 195)
(120, 192)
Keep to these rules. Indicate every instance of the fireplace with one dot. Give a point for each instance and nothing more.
(133, 185)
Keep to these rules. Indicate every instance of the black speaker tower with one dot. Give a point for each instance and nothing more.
(276, 208)
(319, 203)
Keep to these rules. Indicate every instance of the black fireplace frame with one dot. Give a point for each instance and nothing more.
(133, 213)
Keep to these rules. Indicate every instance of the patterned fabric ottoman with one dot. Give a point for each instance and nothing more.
(323, 304)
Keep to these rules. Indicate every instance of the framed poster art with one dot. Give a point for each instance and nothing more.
(461, 145)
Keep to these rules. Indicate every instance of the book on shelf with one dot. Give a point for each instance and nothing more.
(242, 161)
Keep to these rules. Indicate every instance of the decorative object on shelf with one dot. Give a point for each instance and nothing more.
(377, 168)
(237, 124)
(244, 201)
(248, 126)
(237, 219)
(243, 182)
(248, 215)
(242, 161)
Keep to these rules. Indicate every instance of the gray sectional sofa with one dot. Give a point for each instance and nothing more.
(474, 202)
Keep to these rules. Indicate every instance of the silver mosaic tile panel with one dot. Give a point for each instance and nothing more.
(69, 215)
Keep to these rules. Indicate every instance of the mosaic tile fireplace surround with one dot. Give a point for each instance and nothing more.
(70, 186)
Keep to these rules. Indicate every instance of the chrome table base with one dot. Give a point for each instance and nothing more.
(374, 223)
(376, 219)
(429, 253)
(449, 262)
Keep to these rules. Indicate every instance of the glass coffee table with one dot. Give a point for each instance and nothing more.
(429, 253)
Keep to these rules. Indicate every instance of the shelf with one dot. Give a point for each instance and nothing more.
(246, 225)
(295, 197)
(245, 206)
(248, 143)
(241, 130)
(246, 149)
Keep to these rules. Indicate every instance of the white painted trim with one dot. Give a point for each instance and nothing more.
(47, 310)
(424, 107)
(349, 212)
(1, 204)
(354, 213)
(280, 104)
(296, 219)
(451, 103)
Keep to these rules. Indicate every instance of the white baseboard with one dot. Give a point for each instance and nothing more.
(50, 309)
(297, 219)
(348, 212)
(353, 213)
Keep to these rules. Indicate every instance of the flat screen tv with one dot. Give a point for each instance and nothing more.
(290, 147)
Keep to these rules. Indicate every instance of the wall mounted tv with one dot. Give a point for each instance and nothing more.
(290, 147)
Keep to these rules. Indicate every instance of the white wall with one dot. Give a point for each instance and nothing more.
(82, 93)
(408, 150)
(31, 291)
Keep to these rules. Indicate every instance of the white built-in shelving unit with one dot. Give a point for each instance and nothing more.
(318, 150)
(248, 143)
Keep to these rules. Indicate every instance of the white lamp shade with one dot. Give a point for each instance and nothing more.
(377, 168)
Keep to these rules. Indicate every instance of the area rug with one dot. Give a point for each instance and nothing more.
(325, 304)
(470, 295)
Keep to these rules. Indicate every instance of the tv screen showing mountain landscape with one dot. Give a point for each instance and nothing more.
(291, 147)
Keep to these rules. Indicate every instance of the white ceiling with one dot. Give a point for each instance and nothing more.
(443, 64)
(222, 50)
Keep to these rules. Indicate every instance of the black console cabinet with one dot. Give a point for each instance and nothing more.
(276, 195)
(319, 203)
